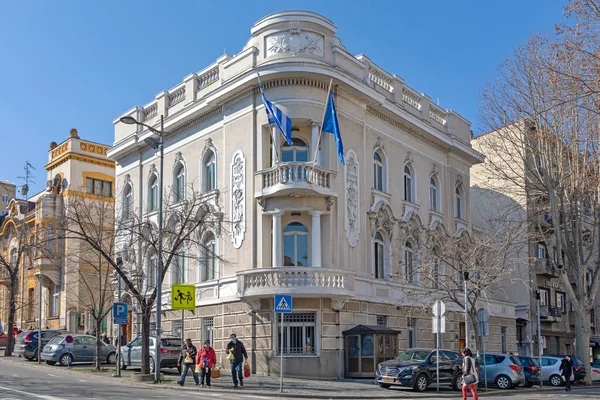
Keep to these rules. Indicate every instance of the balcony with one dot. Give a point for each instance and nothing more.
(295, 179)
(551, 314)
(306, 282)
(545, 268)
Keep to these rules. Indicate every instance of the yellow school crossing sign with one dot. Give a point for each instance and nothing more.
(183, 297)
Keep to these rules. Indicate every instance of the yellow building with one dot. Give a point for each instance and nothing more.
(76, 168)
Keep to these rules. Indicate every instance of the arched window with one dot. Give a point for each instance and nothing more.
(378, 172)
(379, 249)
(209, 258)
(460, 202)
(13, 258)
(434, 203)
(127, 201)
(295, 245)
(179, 183)
(178, 268)
(409, 267)
(298, 151)
(153, 194)
(409, 184)
(151, 274)
(209, 164)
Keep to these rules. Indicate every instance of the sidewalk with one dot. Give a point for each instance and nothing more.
(260, 385)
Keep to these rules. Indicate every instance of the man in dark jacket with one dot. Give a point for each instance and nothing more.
(187, 361)
(566, 367)
(240, 356)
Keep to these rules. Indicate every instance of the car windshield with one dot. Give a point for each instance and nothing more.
(56, 340)
(171, 342)
(413, 355)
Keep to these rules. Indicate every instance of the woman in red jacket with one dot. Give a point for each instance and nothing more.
(206, 360)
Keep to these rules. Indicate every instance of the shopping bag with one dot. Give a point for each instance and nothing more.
(198, 368)
(246, 371)
(230, 356)
(188, 359)
(215, 373)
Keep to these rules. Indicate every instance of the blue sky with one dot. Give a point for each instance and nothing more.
(80, 64)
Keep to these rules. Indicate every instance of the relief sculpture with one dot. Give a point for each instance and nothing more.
(351, 176)
(238, 199)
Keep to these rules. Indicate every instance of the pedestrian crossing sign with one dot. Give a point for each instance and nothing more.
(283, 303)
(183, 297)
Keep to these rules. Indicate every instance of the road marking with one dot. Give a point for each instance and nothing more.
(39, 396)
(53, 375)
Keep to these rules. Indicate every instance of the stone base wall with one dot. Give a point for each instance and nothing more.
(257, 331)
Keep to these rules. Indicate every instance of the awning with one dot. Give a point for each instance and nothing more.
(594, 342)
(370, 329)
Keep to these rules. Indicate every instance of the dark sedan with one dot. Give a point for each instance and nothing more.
(532, 370)
(417, 368)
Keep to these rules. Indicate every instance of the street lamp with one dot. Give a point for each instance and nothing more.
(156, 144)
(539, 331)
(466, 279)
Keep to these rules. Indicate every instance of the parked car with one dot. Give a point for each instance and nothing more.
(532, 370)
(83, 350)
(26, 344)
(579, 371)
(170, 349)
(503, 370)
(3, 339)
(595, 371)
(416, 368)
(551, 370)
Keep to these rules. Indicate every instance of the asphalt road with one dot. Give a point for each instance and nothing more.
(19, 382)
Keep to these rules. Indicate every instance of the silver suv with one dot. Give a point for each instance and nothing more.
(551, 370)
(503, 370)
(170, 349)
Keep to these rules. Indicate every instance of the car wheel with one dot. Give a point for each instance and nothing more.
(556, 380)
(65, 360)
(51, 362)
(457, 382)
(503, 382)
(111, 358)
(151, 365)
(421, 383)
(385, 385)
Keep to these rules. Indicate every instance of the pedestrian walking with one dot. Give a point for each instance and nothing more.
(238, 357)
(187, 361)
(470, 375)
(207, 359)
(566, 369)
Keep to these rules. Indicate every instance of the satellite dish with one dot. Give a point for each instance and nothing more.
(24, 190)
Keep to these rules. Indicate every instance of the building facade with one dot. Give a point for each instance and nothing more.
(76, 168)
(537, 255)
(342, 239)
(8, 191)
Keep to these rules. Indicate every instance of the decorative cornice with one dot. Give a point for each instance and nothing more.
(79, 157)
(293, 82)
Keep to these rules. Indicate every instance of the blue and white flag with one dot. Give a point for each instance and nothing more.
(277, 117)
(331, 125)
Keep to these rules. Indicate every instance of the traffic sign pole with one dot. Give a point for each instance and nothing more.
(439, 329)
(282, 304)
(281, 358)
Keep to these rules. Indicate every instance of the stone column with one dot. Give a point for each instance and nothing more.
(314, 141)
(316, 238)
(277, 238)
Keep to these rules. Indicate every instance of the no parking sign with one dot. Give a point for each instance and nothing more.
(69, 342)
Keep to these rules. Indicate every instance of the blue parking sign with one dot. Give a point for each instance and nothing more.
(283, 303)
(120, 313)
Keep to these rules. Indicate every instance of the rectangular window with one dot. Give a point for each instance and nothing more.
(504, 340)
(177, 328)
(208, 330)
(544, 297)
(30, 304)
(560, 301)
(99, 187)
(5, 198)
(298, 334)
(54, 301)
(413, 340)
(592, 317)
(541, 251)
(382, 320)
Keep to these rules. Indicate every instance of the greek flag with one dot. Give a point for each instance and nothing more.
(277, 117)
(331, 125)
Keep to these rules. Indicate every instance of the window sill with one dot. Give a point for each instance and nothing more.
(53, 318)
(299, 355)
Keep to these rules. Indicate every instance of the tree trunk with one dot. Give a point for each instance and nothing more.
(146, 310)
(98, 358)
(582, 344)
(475, 348)
(12, 313)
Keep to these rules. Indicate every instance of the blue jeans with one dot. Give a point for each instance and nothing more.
(184, 372)
(568, 381)
(236, 372)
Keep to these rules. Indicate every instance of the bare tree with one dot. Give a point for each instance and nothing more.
(130, 246)
(15, 238)
(544, 110)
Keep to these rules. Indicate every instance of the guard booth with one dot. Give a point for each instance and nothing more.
(366, 347)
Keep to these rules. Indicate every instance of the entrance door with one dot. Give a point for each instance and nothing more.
(353, 362)
(367, 354)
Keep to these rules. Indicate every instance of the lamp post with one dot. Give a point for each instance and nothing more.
(539, 332)
(156, 144)
(466, 279)
(39, 348)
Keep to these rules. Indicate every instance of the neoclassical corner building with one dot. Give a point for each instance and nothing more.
(328, 234)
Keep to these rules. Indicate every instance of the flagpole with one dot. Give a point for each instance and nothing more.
(270, 126)
(322, 119)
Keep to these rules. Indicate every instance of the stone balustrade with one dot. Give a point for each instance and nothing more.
(208, 77)
(411, 98)
(305, 281)
(295, 177)
(437, 114)
(176, 96)
(150, 111)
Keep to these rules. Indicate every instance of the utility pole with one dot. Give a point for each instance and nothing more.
(28, 178)
(465, 279)
(539, 332)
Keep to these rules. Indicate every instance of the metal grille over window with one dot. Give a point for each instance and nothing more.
(298, 334)
(177, 328)
(208, 325)
(382, 320)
